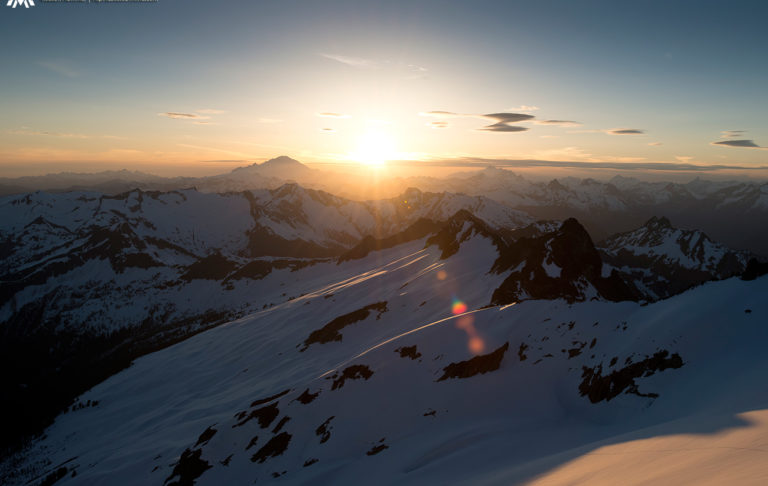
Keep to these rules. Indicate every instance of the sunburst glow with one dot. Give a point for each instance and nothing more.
(374, 148)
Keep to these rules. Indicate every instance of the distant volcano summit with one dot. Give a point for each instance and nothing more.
(283, 167)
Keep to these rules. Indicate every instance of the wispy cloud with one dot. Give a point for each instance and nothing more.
(356, 62)
(611, 131)
(183, 116)
(198, 117)
(625, 163)
(562, 123)
(502, 121)
(655, 144)
(503, 127)
(328, 114)
(739, 144)
(442, 114)
(26, 131)
(416, 69)
(29, 132)
(509, 117)
(505, 122)
(328, 130)
(625, 131)
(410, 70)
(437, 124)
(731, 133)
(523, 108)
(61, 67)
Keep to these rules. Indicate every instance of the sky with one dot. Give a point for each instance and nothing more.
(194, 87)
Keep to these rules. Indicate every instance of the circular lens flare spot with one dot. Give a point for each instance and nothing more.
(465, 322)
(476, 345)
(458, 307)
(442, 275)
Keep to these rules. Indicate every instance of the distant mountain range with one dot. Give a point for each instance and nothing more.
(729, 211)
(270, 174)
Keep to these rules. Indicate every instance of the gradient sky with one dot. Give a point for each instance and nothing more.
(191, 87)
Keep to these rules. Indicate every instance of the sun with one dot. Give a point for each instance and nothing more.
(374, 148)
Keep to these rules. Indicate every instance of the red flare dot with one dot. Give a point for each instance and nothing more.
(459, 307)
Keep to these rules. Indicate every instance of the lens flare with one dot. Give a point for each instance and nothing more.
(458, 307)
(442, 275)
(475, 343)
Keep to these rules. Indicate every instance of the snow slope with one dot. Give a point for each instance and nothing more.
(374, 380)
(124, 245)
(90, 281)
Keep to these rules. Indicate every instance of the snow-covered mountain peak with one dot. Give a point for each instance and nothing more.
(412, 195)
(657, 237)
(658, 223)
(290, 190)
(281, 160)
(556, 185)
(282, 167)
(670, 259)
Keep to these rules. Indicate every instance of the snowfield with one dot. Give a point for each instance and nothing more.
(373, 380)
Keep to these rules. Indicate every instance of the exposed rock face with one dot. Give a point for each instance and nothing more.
(478, 365)
(598, 387)
(330, 332)
(754, 269)
(354, 372)
(189, 468)
(275, 447)
(559, 264)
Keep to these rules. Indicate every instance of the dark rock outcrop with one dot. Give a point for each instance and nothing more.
(476, 366)
(568, 249)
